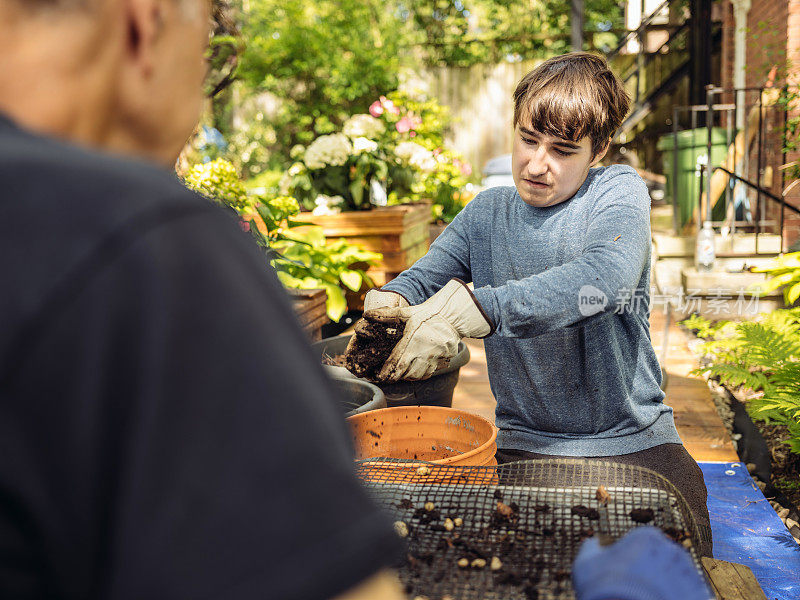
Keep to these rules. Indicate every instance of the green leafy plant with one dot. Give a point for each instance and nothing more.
(307, 261)
(420, 119)
(785, 273)
(218, 180)
(764, 356)
(702, 327)
(302, 258)
(353, 168)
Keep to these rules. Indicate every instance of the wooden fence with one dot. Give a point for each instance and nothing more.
(480, 100)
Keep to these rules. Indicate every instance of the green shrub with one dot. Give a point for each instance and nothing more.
(302, 260)
(762, 355)
(785, 273)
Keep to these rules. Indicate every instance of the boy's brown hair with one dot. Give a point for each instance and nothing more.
(572, 96)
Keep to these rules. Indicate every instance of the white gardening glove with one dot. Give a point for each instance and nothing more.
(432, 331)
(383, 299)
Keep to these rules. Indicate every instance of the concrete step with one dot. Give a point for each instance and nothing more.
(668, 272)
(661, 218)
(721, 295)
(719, 282)
(736, 245)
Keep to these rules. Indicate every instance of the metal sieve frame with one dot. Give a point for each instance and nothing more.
(539, 563)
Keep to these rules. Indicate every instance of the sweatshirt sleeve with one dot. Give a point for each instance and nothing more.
(601, 280)
(447, 258)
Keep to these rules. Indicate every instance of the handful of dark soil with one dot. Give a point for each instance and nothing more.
(370, 346)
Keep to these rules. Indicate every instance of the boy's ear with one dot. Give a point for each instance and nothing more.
(600, 154)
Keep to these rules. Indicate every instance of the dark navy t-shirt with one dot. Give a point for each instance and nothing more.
(165, 430)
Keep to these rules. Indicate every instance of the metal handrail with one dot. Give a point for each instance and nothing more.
(758, 188)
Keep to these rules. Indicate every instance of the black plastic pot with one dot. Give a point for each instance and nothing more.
(435, 391)
(358, 396)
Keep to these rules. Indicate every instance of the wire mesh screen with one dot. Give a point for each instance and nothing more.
(512, 531)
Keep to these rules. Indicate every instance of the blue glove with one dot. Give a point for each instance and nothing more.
(643, 565)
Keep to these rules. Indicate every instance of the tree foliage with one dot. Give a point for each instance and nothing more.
(324, 60)
(327, 59)
(466, 32)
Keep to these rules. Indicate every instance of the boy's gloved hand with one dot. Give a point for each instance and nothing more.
(432, 331)
(383, 299)
(643, 565)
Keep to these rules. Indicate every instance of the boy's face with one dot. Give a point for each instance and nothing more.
(548, 170)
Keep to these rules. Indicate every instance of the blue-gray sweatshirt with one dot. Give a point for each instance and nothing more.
(571, 363)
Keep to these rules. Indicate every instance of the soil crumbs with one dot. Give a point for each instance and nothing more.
(785, 464)
(370, 346)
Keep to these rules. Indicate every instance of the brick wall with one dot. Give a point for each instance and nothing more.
(727, 50)
(792, 225)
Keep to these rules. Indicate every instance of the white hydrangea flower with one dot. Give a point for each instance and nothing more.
(363, 125)
(405, 150)
(416, 155)
(333, 149)
(327, 205)
(424, 162)
(296, 169)
(362, 145)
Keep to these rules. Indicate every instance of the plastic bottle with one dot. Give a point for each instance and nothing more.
(704, 250)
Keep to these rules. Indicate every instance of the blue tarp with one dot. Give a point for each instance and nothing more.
(747, 531)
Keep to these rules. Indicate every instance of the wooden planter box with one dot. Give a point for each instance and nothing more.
(400, 233)
(309, 306)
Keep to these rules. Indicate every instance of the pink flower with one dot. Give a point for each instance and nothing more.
(412, 134)
(404, 125)
(389, 106)
(245, 225)
(376, 108)
(466, 169)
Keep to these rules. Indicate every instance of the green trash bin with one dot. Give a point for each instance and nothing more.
(692, 144)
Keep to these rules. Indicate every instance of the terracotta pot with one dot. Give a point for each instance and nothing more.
(443, 436)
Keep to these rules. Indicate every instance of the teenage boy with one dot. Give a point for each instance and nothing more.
(561, 270)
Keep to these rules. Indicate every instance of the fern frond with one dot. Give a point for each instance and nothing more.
(736, 375)
(794, 437)
(767, 346)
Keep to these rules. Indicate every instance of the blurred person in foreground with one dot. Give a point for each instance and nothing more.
(165, 431)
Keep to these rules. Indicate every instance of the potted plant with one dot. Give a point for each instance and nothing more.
(434, 391)
(372, 182)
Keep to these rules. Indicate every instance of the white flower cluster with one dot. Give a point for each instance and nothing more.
(327, 205)
(363, 126)
(296, 169)
(416, 155)
(362, 145)
(331, 149)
